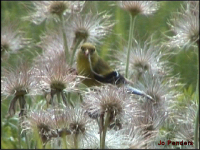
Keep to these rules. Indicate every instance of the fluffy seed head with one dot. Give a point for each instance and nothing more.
(52, 44)
(89, 27)
(155, 112)
(43, 10)
(185, 122)
(55, 74)
(185, 26)
(106, 99)
(17, 81)
(43, 122)
(139, 7)
(81, 128)
(12, 39)
(58, 7)
(145, 57)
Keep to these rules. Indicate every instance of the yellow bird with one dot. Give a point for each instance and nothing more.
(97, 71)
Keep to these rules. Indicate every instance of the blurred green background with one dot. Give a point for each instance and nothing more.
(183, 63)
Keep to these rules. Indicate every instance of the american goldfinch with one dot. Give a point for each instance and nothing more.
(97, 71)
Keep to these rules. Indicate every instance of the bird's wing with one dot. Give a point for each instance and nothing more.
(105, 74)
(102, 68)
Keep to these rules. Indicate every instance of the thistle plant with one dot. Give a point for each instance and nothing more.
(134, 8)
(71, 124)
(185, 128)
(107, 105)
(12, 38)
(185, 25)
(18, 82)
(48, 87)
(56, 10)
(145, 57)
(88, 28)
(45, 10)
(56, 77)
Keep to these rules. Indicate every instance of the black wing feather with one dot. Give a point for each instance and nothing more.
(114, 78)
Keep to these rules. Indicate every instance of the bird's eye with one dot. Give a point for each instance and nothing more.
(92, 50)
(83, 49)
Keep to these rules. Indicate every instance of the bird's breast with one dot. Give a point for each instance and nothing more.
(83, 69)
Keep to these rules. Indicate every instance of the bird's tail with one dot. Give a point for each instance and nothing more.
(133, 90)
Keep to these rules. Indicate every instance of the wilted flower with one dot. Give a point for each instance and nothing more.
(89, 27)
(139, 7)
(18, 82)
(43, 10)
(185, 25)
(12, 39)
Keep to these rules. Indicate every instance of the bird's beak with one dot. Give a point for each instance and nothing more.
(86, 52)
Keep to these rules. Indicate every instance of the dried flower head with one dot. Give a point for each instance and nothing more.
(144, 58)
(12, 39)
(185, 123)
(66, 121)
(17, 82)
(139, 7)
(193, 6)
(107, 99)
(117, 140)
(43, 10)
(89, 27)
(52, 44)
(38, 121)
(161, 89)
(55, 76)
(137, 135)
(81, 128)
(154, 113)
(185, 25)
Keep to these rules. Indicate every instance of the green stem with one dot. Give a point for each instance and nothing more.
(58, 97)
(64, 98)
(27, 140)
(64, 142)
(132, 22)
(76, 141)
(196, 129)
(74, 50)
(107, 122)
(19, 135)
(64, 37)
(101, 121)
(81, 98)
(69, 99)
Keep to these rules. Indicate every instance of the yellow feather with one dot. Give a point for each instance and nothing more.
(83, 68)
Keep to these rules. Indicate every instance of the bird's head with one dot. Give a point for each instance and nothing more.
(88, 49)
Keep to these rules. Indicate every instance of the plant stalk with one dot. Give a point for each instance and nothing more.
(107, 122)
(132, 22)
(76, 141)
(78, 41)
(64, 37)
(196, 128)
